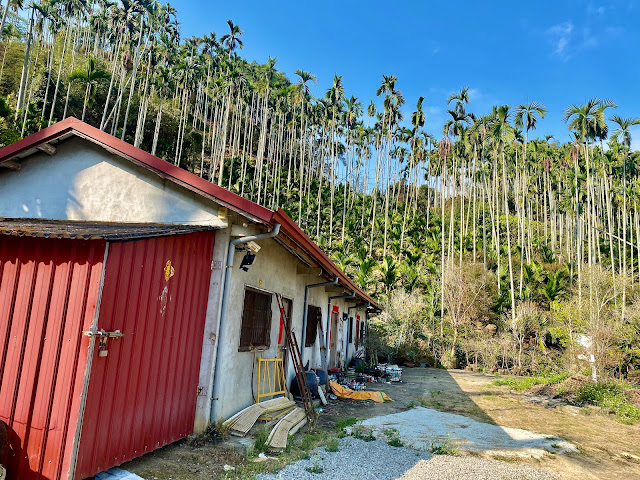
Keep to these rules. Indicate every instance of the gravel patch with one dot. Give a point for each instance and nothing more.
(420, 426)
(444, 467)
(357, 459)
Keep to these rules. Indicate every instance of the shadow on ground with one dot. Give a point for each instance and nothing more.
(606, 448)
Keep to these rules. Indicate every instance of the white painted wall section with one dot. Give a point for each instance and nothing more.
(83, 181)
(275, 271)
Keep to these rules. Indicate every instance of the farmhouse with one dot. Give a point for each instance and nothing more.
(136, 299)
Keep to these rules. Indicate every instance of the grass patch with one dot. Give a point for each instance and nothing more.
(487, 393)
(446, 446)
(315, 468)
(262, 437)
(346, 422)
(395, 442)
(362, 433)
(521, 384)
(393, 439)
(311, 440)
(298, 448)
(332, 445)
(610, 396)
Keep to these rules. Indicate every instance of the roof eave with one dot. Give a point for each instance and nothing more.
(293, 231)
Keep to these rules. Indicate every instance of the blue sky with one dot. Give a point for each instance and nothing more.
(555, 52)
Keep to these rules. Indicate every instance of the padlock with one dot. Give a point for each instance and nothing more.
(102, 348)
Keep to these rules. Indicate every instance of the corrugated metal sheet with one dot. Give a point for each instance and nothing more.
(143, 394)
(30, 227)
(48, 292)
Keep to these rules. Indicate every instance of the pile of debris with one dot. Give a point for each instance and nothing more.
(290, 419)
(240, 424)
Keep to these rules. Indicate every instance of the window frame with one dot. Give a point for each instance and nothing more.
(314, 329)
(248, 346)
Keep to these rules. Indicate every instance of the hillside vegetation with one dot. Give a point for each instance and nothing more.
(489, 247)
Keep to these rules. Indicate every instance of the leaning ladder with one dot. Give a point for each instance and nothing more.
(301, 375)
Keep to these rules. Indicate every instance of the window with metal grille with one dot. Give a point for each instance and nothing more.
(314, 316)
(256, 320)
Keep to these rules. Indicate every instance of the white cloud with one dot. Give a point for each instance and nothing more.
(568, 39)
(596, 10)
(589, 39)
(560, 36)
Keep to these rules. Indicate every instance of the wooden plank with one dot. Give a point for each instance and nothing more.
(321, 395)
(280, 433)
(11, 165)
(243, 421)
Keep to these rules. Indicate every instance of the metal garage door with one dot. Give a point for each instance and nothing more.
(48, 294)
(142, 394)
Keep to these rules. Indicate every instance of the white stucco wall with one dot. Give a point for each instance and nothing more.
(83, 181)
(274, 271)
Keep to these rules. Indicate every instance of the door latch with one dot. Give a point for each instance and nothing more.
(103, 336)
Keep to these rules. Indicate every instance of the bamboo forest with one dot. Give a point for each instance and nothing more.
(492, 245)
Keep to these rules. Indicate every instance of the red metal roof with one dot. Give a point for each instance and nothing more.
(188, 180)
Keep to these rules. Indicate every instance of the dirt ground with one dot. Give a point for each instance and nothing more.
(608, 449)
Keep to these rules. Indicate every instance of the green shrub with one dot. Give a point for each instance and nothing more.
(611, 397)
(395, 442)
(217, 430)
(392, 437)
(521, 384)
(447, 446)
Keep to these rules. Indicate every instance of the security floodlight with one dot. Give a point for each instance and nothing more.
(247, 260)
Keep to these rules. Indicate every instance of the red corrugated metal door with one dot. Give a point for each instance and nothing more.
(142, 395)
(48, 293)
